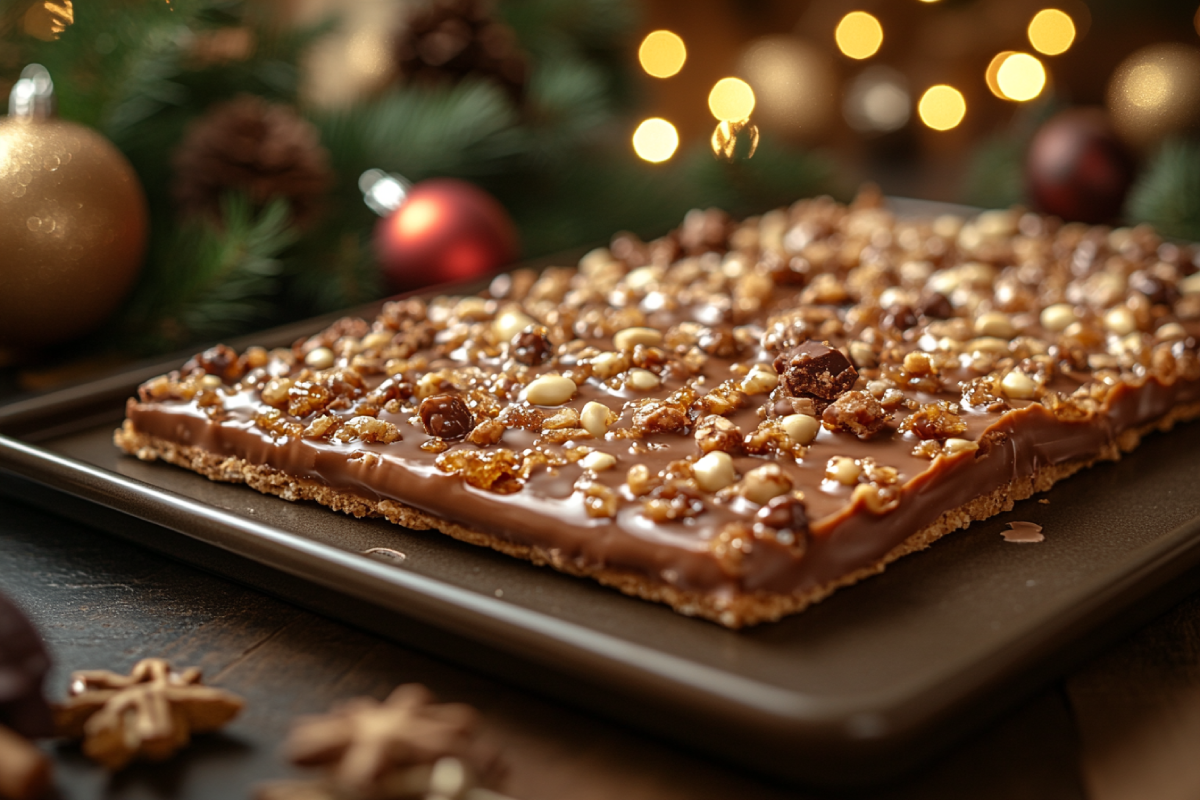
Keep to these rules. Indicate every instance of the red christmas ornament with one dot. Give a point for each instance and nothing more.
(443, 231)
(1077, 168)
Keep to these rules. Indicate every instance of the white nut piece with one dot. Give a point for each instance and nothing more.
(996, 324)
(471, 308)
(1058, 316)
(509, 323)
(376, 340)
(210, 382)
(714, 471)
(1120, 320)
(1019, 386)
(765, 482)
(1170, 332)
(643, 380)
(550, 390)
(844, 470)
(1190, 284)
(605, 365)
(955, 446)
(988, 344)
(597, 461)
(762, 379)
(800, 428)
(594, 418)
(320, 358)
(631, 337)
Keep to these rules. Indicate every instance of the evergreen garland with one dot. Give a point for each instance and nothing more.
(1168, 193)
(559, 159)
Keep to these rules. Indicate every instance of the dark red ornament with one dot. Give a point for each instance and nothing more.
(445, 231)
(1077, 168)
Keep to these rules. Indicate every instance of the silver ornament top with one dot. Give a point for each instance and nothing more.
(32, 96)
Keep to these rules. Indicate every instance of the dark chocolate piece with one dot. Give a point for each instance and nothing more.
(23, 667)
(446, 416)
(816, 370)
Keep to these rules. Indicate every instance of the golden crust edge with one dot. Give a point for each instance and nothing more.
(732, 612)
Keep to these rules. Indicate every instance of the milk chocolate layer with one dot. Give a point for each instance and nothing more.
(1042, 366)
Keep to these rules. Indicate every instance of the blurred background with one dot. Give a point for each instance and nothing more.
(212, 167)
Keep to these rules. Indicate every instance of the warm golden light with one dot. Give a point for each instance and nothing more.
(859, 35)
(942, 107)
(794, 83)
(655, 140)
(1021, 77)
(48, 19)
(731, 99)
(1051, 31)
(1155, 92)
(662, 54)
(992, 68)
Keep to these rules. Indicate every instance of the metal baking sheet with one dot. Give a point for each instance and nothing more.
(865, 684)
(859, 688)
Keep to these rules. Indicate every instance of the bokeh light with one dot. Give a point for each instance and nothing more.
(1051, 31)
(1155, 92)
(731, 99)
(859, 35)
(48, 19)
(655, 140)
(942, 107)
(1021, 77)
(877, 101)
(992, 68)
(662, 54)
(794, 84)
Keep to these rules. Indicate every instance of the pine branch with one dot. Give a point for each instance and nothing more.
(208, 281)
(463, 130)
(1168, 194)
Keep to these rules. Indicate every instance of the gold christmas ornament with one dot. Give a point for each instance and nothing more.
(72, 221)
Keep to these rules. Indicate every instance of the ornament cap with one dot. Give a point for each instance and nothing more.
(32, 96)
(383, 192)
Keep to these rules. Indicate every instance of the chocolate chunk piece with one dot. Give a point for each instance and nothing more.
(23, 667)
(816, 370)
(446, 415)
(899, 318)
(531, 346)
(936, 306)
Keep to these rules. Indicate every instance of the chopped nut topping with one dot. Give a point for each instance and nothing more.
(714, 432)
(597, 461)
(320, 358)
(858, 413)
(367, 429)
(802, 429)
(844, 470)
(630, 338)
(939, 420)
(763, 483)
(1019, 386)
(550, 390)
(714, 471)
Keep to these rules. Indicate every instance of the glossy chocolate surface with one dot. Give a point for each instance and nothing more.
(1051, 353)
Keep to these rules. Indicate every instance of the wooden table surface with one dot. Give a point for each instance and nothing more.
(1126, 725)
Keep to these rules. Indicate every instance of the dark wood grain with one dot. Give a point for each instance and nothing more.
(101, 602)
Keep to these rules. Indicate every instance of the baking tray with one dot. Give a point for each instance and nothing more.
(868, 683)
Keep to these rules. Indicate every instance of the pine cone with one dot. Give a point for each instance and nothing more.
(451, 39)
(263, 149)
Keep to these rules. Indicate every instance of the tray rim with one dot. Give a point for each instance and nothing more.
(839, 729)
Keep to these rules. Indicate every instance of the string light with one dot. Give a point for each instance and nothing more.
(48, 19)
(1051, 31)
(992, 68)
(859, 35)
(942, 107)
(731, 99)
(662, 54)
(655, 140)
(877, 101)
(1021, 77)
